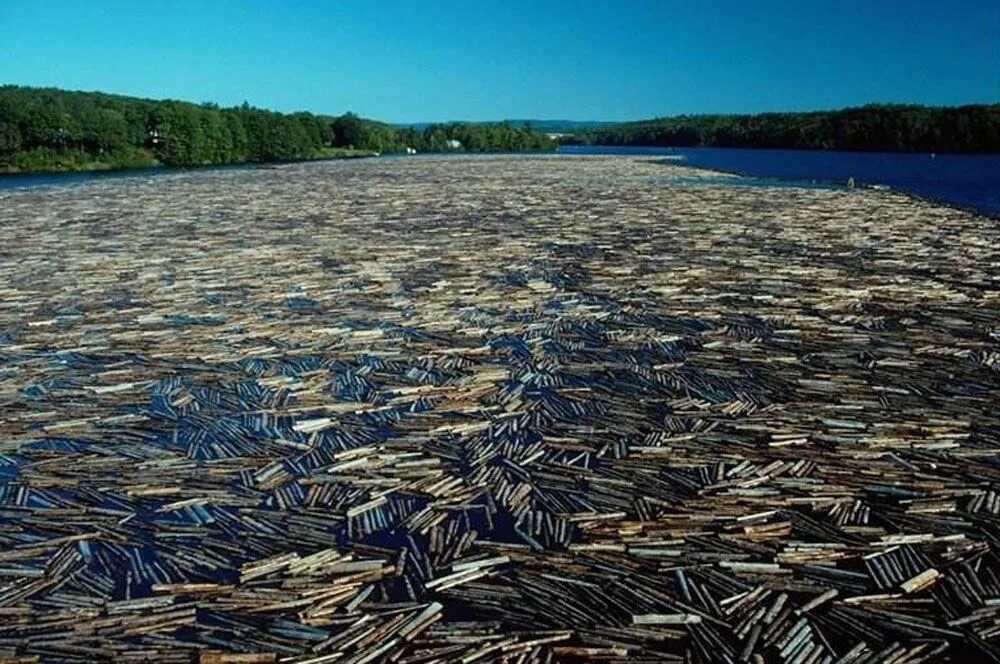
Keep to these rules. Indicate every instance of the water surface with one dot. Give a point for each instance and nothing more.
(964, 180)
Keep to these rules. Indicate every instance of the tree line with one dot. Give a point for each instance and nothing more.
(43, 129)
(877, 127)
(350, 130)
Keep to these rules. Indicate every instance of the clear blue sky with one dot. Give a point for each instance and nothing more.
(429, 60)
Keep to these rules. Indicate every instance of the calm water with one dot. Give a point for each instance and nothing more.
(39, 179)
(971, 181)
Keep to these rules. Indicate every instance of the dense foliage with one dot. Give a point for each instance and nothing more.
(350, 130)
(875, 127)
(46, 129)
(49, 129)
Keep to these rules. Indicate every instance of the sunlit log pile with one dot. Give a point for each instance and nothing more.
(536, 409)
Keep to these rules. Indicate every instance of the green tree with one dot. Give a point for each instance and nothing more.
(348, 131)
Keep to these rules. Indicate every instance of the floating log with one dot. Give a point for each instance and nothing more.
(523, 409)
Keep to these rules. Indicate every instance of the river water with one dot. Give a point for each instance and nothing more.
(963, 180)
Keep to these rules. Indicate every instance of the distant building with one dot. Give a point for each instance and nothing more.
(452, 144)
(410, 150)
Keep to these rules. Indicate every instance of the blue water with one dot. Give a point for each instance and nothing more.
(36, 180)
(971, 181)
(744, 181)
(40, 179)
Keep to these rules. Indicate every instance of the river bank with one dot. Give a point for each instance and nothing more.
(143, 164)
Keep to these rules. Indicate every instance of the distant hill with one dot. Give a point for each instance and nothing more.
(563, 126)
(544, 126)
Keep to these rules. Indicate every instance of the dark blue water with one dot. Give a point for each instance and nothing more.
(40, 179)
(971, 181)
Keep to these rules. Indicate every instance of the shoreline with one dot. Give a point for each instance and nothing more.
(163, 169)
(9, 180)
(159, 166)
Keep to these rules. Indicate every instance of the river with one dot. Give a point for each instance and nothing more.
(963, 180)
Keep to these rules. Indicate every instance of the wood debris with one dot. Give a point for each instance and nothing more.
(529, 409)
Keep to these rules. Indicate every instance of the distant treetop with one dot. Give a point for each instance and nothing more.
(878, 127)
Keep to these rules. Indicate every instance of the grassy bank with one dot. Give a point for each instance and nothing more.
(47, 160)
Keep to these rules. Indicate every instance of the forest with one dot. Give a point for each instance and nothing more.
(45, 129)
(877, 127)
(350, 130)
